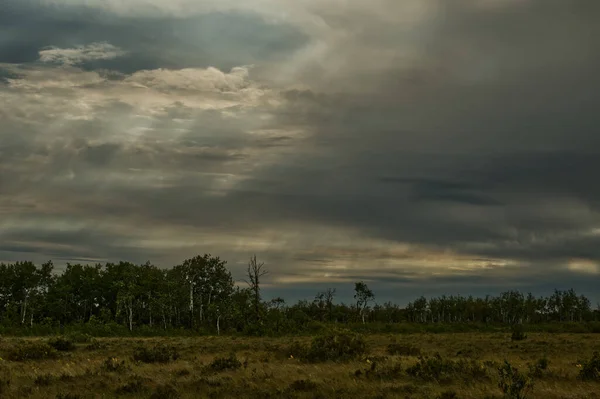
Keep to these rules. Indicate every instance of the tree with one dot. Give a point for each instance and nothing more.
(363, 296)
(255, 272)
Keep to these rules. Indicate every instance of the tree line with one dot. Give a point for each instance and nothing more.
(200, 294)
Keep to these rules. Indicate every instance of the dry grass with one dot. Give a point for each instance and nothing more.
(269, 371)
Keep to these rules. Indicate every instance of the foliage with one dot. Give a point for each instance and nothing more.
(438, 369)
(230, 362)
(157, 354)
(198, 296)
(518, 333)
(95, 345)
(514, 384)
(61, 344)
(114, 365)
(590, 369)
(43, 380)
(334, 346)
(303, 386)
(32, 350)
(165, 392)
(135, 385)
(403, 350)
(538, 369)
(80, 338)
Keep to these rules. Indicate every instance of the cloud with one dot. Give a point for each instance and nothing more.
(423, 146)
(80, 54)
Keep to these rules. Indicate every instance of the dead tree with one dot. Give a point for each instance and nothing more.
(254, 272)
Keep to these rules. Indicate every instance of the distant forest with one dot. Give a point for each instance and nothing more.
(199, 295)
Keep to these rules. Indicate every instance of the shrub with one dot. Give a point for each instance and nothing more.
(590, 369)
(436, 368)
(136, 385)
(448, 395)
(80, 338)
(538, 368)
(518, 333)
(157, 354)
(303, 386)
(61, 344)
(43, 380)
(35, 350)
(95, 345)
(113, 364)
(5, 379)
(68, 396)
(514, 384)
(403, 350)
(165, 392)
(335, 346)
(225, 363)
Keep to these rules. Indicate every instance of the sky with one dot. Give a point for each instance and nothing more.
(425, 147)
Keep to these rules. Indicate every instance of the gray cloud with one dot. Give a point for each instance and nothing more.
(423, 146)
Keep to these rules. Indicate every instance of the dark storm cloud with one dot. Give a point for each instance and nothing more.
(470, 137)
(222, 40)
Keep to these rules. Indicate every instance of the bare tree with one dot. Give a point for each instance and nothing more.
(254, 272)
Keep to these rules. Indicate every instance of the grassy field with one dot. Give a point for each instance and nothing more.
(203, 367)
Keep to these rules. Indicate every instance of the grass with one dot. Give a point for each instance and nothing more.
(417, 366)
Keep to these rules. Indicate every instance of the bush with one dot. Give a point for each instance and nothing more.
(448, 395)
(80, 338)
(403, 350)
(438, 369)
(68, 396)
(157, 354)
(590, 369)
(225, 363)
(335, 346)
(136, 385)
(43, 380)
(95, 345)
(35, 350)
(303, 386)
(514, 384)
(113, 364)
(61, 344)
(538, 368)
(5, 379)
(165, 392)
(518, 333)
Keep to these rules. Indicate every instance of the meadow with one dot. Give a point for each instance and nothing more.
(338, 364)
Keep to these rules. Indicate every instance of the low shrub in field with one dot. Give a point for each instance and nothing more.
(436, 368)
(538, 369)
(95, 345)
(114, 365)
(590, 369)
(32, 350)
(43, 380)
(5, 379)
(61, 344)
(403, 350)
(80, 338)
(157, 354)
(68, 396)
(513, 383)
(334, 346)
(447, 395)
(165, 392)
(225, 363)
(303, 386)
(136, 385)
(518, 333)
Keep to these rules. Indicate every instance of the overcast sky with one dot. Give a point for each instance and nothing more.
(423, 146)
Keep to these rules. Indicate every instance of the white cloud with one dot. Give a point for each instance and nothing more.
(81, 54)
